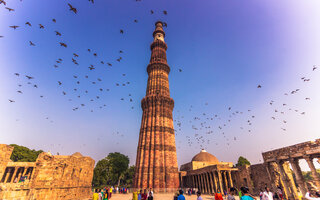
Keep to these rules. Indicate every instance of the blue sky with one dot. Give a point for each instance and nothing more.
(225, 49)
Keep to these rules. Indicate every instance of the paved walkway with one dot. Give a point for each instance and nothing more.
(166, 196)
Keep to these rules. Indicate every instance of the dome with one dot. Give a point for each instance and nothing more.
(204, 156)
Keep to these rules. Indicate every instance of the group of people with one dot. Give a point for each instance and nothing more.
(145, 195)
(103, 194)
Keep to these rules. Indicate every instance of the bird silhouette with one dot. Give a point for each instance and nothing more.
(14, 27)
(9, 9)
(73, 9)
(259, 86)
(54, 20)
(314, 67)
(165, 12)
(63, 44)
(28, 23)
(11, 101)
(3, 2)
(121, 31)
(41, 26)
(57, 33)
(31, 43)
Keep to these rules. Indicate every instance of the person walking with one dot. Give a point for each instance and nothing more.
(140, 195)
(231, 194)
(199, 196)
(181, 197)
(110, 192)
(144, 196)
(246, 195)
(218, 195)
(267, 195)
(95, 195)
(150, 196)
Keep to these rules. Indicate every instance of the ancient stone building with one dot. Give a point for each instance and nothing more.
(50, 177)
(206, 173)
(156, 163)
(209, 175)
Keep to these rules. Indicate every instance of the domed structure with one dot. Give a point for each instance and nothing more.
(204, 156)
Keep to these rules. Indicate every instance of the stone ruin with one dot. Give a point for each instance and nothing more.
(49, 177)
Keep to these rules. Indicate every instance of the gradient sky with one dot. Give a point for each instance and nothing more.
(224, 48)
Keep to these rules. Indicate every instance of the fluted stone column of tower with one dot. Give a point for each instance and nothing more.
(156, 163)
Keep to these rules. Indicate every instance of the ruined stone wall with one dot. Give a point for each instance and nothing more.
(54, 177)
(5, 154)
(260, 177)
(242, 177)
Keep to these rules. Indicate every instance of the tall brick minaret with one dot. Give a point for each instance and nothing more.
(156, 163)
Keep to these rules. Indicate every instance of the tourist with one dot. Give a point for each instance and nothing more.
(267, 195)
(117, 190)
(231, 194)
(110, 192)
(199, 196)
(150, 191)
(144, 196)
(279, 191)
(180, 196)
(95, 195)
(261, 193)
(246, 195)
(140, 195)
(218, 195)
(135, 195)
(150, 196)
(100, 194)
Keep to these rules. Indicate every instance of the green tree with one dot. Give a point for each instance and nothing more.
(242, 161)
(110, 170)
(128, 176)
(24, 154)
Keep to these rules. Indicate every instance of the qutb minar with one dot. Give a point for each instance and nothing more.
(156, 163)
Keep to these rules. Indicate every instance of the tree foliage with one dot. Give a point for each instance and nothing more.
(113, 170)
(242, 161)
(24, 154)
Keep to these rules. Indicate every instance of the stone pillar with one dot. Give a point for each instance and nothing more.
(14, 174)
(220, 181)
(284, 180)
(208, 183)
(225, 180)
(211, 182)
(315, 175)
(199, 182)
(299, 177)
(204, 183)
(230, 178)
(215, 181)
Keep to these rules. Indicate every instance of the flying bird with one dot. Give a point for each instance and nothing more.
(3, 2)
(28, 23)
(11, 101)
(259, 86)
(73, 9)
(165, 12)
(121, 31)
(10, 9)
(75, 55)
(151, 12)
(41, 26)
(92, 1)
(91, 67)
(58, 33)
(314, 67)
(136, 21)
(63, 44)
(31, 43)
(14, 27)
(54, 20)
(29, 77)
(17, 74)
(180, 70)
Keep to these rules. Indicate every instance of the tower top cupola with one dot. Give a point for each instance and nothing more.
(158, 33)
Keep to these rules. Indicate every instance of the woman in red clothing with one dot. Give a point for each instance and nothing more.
(144, 196)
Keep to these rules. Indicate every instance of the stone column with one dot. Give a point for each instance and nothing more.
(284, 179)
(199, 183)
(208, 183)
(211, 182)
(230, 178)
(299, 177)
(14, 174)
(315, 175)
(225, 180)
(204, 183)
(215, 181)
(220, 181)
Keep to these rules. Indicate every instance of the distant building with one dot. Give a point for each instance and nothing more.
(50, 177)
(208, 175)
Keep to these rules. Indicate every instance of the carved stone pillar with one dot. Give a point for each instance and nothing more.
(230, 178)
(284, 178)
(204, 183)
(314, 173)
(220, 181)
(225, 180)
(211, 182)
(208, 183)
(14, 174)
(299, 177)
(215, 180)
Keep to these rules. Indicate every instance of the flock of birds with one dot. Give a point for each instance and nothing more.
(206, 124)
(203, 124)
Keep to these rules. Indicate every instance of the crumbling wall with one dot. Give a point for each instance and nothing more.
(54, 177)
